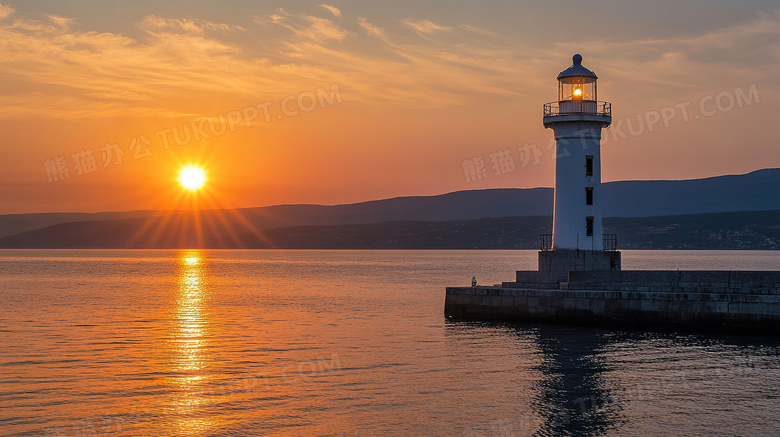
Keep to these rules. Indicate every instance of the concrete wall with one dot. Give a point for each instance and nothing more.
(727, 312)
(694, 281)
(555, 265)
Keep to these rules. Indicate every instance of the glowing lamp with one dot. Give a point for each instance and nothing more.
(577, 83)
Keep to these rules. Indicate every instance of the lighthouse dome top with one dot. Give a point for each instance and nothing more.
(577, 73)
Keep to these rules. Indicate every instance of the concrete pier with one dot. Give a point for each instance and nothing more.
(722, 301)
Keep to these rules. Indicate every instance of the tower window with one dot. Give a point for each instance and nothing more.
(589, 195)
(589, 165)
(589, 226)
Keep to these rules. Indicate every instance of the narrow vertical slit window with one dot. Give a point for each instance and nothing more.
(589, 226)
(589, 195)
(589, 165)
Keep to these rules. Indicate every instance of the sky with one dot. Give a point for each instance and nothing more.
(101, 102)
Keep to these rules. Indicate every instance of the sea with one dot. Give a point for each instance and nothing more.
(350, 343)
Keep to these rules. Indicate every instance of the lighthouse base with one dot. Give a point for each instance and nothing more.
(555, 265)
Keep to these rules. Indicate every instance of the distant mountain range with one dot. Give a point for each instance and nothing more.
(496, 218)
(754, 230)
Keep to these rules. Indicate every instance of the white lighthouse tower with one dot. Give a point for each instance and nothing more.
(577, 241)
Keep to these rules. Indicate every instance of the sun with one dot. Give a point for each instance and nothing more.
(192, 177)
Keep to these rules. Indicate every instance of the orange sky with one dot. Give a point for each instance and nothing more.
(342, 102)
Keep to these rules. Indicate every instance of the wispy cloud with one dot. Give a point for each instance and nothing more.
(475, 29)
(372, 29)
(334, 10)
(730, 56)
(391, 67)
(5, 11)
(196, 26)
(425, 26)
(178, 61)
(110, 73)
(60, 22)
(306, 26)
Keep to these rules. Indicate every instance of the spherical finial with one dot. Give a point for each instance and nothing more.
(577, 59)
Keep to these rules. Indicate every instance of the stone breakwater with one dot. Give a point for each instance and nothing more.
(725, 301)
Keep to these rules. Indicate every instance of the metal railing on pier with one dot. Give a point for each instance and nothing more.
(610, 242)
(545, 242)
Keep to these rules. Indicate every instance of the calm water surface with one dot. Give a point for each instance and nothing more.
(202, 343)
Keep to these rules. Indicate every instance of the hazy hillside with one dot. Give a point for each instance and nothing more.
(733, 230)
(756, 191)
(11, 224)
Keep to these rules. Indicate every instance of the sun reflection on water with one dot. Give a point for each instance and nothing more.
(190, 345)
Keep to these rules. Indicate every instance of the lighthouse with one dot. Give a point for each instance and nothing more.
(580, 280)
(577, 118)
